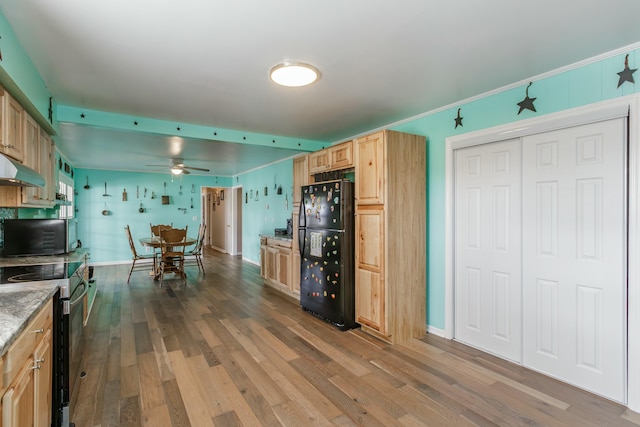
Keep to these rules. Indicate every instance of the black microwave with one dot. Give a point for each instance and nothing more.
(29, 237)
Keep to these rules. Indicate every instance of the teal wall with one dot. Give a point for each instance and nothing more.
(581, 85)
(261, 216)
(584, 85)
(104, 234)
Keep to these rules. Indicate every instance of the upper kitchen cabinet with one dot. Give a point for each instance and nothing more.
(390, 175)
(31, 132)
(12, 143)
(370, 169)
(38, 154)
(335, 157)
(300, 177)
(47, 195)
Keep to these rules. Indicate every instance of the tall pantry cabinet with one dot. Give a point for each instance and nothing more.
(390, 175)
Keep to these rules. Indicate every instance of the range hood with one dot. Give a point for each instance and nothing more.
(17, 174)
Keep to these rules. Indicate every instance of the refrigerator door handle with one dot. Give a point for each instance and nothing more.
(301, 233)
(302, 219)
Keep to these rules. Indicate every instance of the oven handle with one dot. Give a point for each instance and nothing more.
(84, 292)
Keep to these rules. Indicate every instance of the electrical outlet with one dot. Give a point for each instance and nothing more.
(195, 218)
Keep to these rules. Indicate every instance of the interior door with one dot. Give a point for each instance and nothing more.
(488, 248)
(574, 255)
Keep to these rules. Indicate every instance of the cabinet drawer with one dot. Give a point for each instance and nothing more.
(26, 343)
(279, 243)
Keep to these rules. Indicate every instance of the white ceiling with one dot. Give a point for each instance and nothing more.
(206, 62)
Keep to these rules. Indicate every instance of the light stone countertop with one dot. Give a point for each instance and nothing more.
(75, 256)
(284, 237)
(19, 303)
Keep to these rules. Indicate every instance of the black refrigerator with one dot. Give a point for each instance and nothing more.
(326, 237)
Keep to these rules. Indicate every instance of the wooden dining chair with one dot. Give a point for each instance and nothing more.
(172, 252)
(155, 233)
(135, 256)
(195, 255)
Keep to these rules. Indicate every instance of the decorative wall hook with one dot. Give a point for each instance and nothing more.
(626, 75)
(458, 119)
(527, 103)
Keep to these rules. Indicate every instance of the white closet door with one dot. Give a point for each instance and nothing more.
(488, 248)
(574, 256)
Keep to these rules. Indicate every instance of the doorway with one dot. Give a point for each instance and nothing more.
(224, 218)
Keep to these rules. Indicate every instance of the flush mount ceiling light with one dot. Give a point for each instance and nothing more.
(176, 170)
(294, 74)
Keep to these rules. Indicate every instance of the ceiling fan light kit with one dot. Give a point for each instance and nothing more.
(177, 167)
(294, 74)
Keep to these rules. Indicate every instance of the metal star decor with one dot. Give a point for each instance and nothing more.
(626, 75)
(527, 103)
(458, 119)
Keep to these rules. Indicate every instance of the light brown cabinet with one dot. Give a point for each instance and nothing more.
(12, 136)
(336, 157)
(27, 372)
(39, 156)
(276, 264)
(31, 131)
(390, 175)
(300, 177)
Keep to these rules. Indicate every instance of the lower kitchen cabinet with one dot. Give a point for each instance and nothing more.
(27, 372)
(276, 263)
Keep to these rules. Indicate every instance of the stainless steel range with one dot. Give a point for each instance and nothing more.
(68, 319)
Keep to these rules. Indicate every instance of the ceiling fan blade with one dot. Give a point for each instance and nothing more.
(185, 172)
(196, 169)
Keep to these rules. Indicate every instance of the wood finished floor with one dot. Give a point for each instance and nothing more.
(228, 351)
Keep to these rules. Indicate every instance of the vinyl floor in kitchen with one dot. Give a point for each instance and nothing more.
(227, 350)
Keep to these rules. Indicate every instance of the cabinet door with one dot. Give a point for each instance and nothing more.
(370, 169)
(272, 263)
(31, 131)
(370, 283)
(12, 143)
(263, 261)
(17, 402)
(341, 155)
(318, 161)
(300, 177)
(295, 256)
(284, 267)
(45, 167)
(43, 376)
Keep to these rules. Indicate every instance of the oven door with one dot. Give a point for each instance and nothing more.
(79, 288)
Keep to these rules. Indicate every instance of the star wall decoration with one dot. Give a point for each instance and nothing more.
(458, 119)
(626, 75)
(527, 103)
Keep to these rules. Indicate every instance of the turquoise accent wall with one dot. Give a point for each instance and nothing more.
(585, 85)
(104, 234)
(261, 214)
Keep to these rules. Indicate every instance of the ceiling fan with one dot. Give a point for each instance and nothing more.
(177, 167)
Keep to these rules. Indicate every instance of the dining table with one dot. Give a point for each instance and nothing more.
(156, 242)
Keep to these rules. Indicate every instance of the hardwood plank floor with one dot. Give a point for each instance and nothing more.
(226, 350)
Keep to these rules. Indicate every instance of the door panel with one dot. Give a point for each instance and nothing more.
(574, 268)
(487, 242)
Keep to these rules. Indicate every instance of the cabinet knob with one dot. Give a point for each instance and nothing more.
(39, 331)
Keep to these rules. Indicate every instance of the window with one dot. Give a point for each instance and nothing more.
(65, 187)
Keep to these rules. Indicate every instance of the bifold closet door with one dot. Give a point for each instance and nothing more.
(488, 255)
(574, 255)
